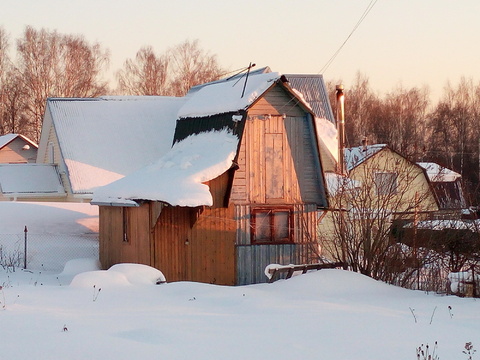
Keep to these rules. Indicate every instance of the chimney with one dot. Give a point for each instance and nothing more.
(364, 143)
(340, 128)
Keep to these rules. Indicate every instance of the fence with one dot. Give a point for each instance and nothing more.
(45, 252)
(439, 279)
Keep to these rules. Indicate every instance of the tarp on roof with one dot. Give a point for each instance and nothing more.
(30, 180)
(104, 139)
(177, 177)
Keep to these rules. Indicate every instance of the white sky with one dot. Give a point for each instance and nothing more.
(408, 42)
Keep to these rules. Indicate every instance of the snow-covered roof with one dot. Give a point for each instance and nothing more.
(226, 96)
(104, 139)
(356, 155)
(327, 133)
(30, 180)
(177, 177)
(442, 224)
(8, 138)
(336, 182)
(438, 173)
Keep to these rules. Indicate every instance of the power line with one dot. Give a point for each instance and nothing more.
(364, 15)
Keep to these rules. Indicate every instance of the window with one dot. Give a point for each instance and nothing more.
(126, 238)
(271, 225)
(386, 183)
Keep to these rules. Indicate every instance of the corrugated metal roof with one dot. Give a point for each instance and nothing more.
(104, 139)
(30, 179)
(314, 91)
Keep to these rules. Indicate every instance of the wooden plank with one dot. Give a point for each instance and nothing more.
(274, 169)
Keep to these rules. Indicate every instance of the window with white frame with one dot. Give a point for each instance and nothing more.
(386, 183)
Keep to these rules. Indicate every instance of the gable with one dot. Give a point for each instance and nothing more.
(17, 149)
(411, 179)
(278, 156)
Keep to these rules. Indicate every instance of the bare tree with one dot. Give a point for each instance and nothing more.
(192, 66)
(404, 111)
(172, 73)
(455, 132)
(358, 230)
(4, 61)
(54, 65)
(146, 75)
(360, 109)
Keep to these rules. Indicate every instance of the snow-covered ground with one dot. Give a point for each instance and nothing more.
(121, 314)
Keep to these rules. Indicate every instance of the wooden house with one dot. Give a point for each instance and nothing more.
(17, 149)
(382, 192)
(239, 189)
(21, 179)
(389, 174)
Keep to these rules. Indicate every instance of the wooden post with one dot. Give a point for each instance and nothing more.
(25, 249)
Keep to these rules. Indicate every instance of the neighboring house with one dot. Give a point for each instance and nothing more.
(20, 177)
(17, 149)
(391, 175)
(239, 189)
(92, 142)
(447, 185)
(382, 188)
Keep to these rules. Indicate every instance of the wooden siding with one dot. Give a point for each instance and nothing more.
(252, 259)
(13, 152)
(278, 163)
(196, 244)
(43, 155)
(113, 247)
(277, 102)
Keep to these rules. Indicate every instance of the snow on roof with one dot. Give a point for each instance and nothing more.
(104, 139)
(6, 139)
(438, 173)
(336, 182)
(356, 155)
(33, 179)
(226, 96)
(327, 133)
(177, 177)
(442, 224)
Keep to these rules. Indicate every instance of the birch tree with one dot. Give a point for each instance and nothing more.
(50, 64)
(192, 66)
(147, 74)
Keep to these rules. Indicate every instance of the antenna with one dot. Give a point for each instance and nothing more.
(246, 78)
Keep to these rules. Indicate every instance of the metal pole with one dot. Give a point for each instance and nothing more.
(25, 252)
(340, 112)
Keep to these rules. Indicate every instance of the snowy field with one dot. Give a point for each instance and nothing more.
(84, 313)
